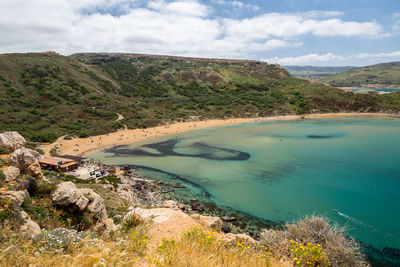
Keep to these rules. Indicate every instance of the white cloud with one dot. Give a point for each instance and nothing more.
(286, 25)
(180, 27)
(333, 59)
(188, 8)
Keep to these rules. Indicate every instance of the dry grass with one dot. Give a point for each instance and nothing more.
(340, 250)
(197, 247)
(310, 242)
(201, 248)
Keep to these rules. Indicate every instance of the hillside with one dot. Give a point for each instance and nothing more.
(385, 75)
(315, 72)
(45, 95)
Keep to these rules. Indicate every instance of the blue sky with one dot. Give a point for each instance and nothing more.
(288, 32)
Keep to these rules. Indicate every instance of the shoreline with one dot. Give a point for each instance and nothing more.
(86, 146)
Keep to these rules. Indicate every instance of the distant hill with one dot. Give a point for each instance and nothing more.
(45, 95)
(382, 75)
(315, 72)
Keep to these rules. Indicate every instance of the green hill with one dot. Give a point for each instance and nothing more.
(381, 75)
(45, 95)
(315, 72)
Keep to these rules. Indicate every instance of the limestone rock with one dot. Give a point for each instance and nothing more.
(170, 204)
(68, 194)
(23, 157)
(11, 173)
(97, 202)
(209, 221)
(35, 170)
(12, 140)
(157, 216)
(226, 227)
(30, 227)
(17, 196)
(125, 192)
(106, 225)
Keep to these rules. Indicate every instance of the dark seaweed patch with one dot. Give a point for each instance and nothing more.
(166, 148)
(320, 136)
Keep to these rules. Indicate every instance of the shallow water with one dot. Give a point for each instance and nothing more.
(345, 168)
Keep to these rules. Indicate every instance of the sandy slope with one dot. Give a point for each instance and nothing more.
(85, 146)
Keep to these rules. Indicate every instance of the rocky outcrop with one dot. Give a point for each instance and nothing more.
(30, 227)
(12, 140)
(35, 170)
(170, 204)
(68, 195)
(16, 196)
(209, 221)
(22, 158)
(11, 173)
(139, 191)
(157, 216)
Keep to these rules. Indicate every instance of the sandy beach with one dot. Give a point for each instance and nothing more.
(86, 146)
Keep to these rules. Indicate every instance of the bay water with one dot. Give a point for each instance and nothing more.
(347, 169)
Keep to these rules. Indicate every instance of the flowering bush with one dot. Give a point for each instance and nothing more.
(308, 254)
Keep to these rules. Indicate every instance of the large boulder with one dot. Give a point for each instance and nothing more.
(35, 170)
(30, 227)
(17, 196)
(23, 157)
(12, 140)
(11, 173)
(96, 203)
(67, 194)
(157, 216)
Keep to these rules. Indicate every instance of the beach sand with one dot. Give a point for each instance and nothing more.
(86, 146)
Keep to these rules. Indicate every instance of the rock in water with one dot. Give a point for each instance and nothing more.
(11, 173)
(196, 205)
(22, 158)
(12, 140)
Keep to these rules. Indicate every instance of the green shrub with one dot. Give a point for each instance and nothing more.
(53, 152)
(46, 136)
(83, 134)
(131, 221)
(45, 189)
(340, 250)
(67, 137)
(2, 176)
(4, 150)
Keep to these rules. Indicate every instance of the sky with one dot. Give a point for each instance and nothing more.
(286, 32)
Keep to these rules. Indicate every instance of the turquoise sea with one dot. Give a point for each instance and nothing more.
(347, 169)
(377, 90)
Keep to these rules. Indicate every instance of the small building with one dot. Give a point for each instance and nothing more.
(58, 164)
(78, 159)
